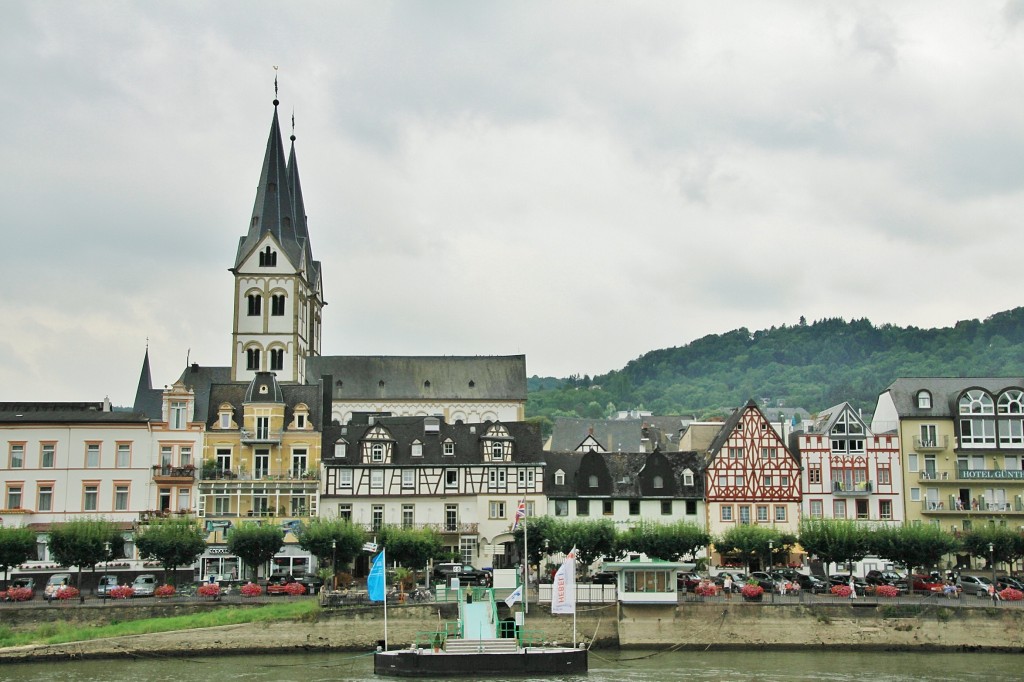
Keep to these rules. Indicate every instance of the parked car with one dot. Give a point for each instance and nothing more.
(56, 582)
(884, 578)
(144, 585)
(1002, 582)
(973, 584)
(106, 583)
(19, 583)
(312, 583)
(605, 578)
(926, 583)
(859, 586)
(738, 580)
(811, 583)
(687, 581)
(766, 580)
(466, 574)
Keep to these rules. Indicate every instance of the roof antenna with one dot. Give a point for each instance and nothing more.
(275, 87)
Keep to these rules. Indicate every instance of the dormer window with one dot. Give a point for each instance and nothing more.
(687, 478)
(497, 451)
(659, 482)
(559, 477)
(417, 449)
(340, 448)
(448, 448)
(268, 257)
(924, 400)
(377, 452)
(592, 481)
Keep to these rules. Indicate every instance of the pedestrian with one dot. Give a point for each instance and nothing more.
(992, 592)
(853, 589)
(727, 586)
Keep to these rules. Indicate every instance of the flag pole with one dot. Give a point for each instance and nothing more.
(526, 572)
(385, 578)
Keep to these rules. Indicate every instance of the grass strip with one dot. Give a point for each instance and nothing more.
(61, 633)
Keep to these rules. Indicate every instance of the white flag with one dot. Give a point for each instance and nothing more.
(563, 590)
(517, 595)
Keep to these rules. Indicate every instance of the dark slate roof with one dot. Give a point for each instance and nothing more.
(148, 400)
(614, 435)
(264, 389)
(405, 430)
(299, 215)
(235, 393)
(200, 379)
(378, 377)
(624, 475)
(728, 426)
(65, 413)
(272, 210)
(945, 392)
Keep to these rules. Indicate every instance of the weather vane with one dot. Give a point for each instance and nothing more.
(275, 82)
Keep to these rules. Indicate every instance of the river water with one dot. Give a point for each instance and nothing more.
(605, 666)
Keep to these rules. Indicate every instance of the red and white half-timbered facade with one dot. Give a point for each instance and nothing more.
(849, 472)
(751, 476)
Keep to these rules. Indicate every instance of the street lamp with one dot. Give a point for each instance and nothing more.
(771, 545)
(106, 588)
(992, 564)
(334, 564)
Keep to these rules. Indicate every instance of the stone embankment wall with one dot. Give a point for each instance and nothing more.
(688, 626)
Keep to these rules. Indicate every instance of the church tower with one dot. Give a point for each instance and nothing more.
(278, 287)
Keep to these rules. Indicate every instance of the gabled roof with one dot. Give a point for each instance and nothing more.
(404, 431)
(728, 426)
(944, 392)
(377, 377)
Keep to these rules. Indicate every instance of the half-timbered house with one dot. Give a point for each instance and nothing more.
(848, 471)
(751, 476)
(464, 480)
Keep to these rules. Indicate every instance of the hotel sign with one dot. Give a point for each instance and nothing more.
(992, 474)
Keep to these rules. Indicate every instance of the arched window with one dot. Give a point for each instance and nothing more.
(592, 481)
(377, 452)
(252, 359)
(268, 257)
(277, 305)
(255, 305)
(659, 482)
(924, 400)
(497, 451)
(276, 358)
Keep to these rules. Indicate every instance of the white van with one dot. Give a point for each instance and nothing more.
(55, 583)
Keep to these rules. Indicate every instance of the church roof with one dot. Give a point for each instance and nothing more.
(378, 377)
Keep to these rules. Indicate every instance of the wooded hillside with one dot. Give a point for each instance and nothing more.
(813, 366)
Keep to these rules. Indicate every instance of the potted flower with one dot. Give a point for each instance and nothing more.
(885, 591)
(842, 590)
(164, 591)
(752, 592)
(1010, 594)
(209, 590)
(295, 589)
(67, 592)
(438, 642)
(251, 590)
(19, 594)
(121, 592)
(705, 588)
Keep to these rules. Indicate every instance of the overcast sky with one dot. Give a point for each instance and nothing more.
(578, 181)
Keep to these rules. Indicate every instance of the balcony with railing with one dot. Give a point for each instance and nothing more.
(953, 505)
(245, 473)
(261, 436)
(931, 444)
(859, 489)
(933, 476)
(165, 473)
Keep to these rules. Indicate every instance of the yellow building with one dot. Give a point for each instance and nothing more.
(962, 441)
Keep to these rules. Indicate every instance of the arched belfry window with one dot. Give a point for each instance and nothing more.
(252, 359)
(255, 302)
(268, 258)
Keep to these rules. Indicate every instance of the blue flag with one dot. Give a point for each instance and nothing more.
(375, 581)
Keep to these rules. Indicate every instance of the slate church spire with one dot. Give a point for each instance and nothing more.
(278, 288)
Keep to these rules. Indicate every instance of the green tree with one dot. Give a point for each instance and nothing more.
(540, 537)
(669, 542)
(592, 540)
(332, 541)
(1006, 544)
(411, 547)
(835, 541)
(17, 545)
(749, 543)
(913, 546)
(82, 543)
(172, 542)
(255, 545)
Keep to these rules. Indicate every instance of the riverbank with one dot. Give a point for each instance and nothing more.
(703, 626)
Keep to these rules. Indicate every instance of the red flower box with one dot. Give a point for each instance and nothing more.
(751, 591)
(705, 589)
(121, 592)
(295, 589)
(1010, 594)
(164, 591)
(885, 591)
(67, 592)
(208, 590)
(19, 594)
(252, 590)
(842, 590)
